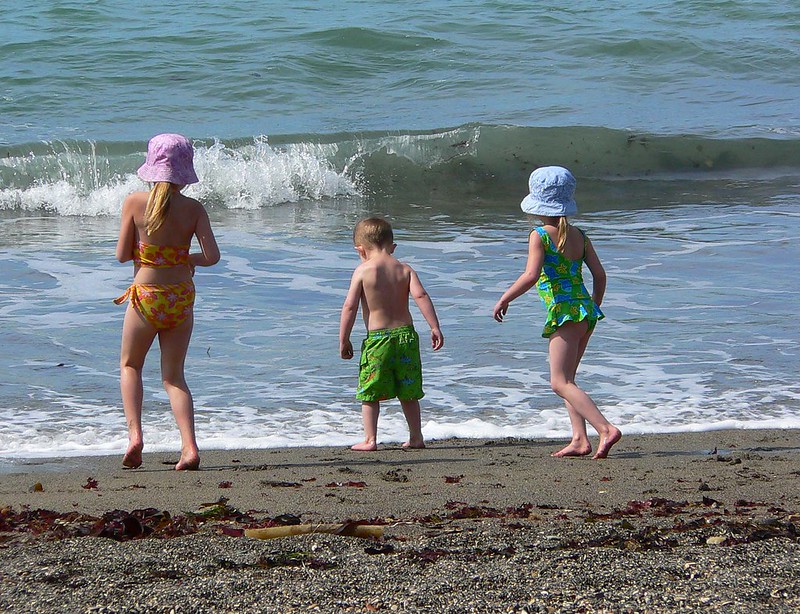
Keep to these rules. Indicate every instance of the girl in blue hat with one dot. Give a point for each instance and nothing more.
(556, 253)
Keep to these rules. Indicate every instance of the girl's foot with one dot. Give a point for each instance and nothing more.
(612, 437)
(133, 457)
(190, 465)
(414, 444)
(189, 462)
(575, 448)
(365, 446)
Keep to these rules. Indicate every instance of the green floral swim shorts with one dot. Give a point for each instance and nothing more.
(390, 365)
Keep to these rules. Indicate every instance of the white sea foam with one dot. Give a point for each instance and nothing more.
(264, 365)
(246, 177)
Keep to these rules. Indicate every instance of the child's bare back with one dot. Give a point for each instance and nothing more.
(385, 289)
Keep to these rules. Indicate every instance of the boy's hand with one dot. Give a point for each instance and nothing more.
(437, 339)
(500, 310)
(346, 349)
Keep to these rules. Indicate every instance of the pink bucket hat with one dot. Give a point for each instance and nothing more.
(169, 158)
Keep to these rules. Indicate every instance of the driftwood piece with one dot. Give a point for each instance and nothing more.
(348, 528)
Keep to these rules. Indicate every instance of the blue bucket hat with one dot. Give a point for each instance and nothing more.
(552, 192)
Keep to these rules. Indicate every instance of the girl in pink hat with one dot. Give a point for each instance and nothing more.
(156, 232)
(556, 254)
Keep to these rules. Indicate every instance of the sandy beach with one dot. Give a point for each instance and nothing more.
(670, 522)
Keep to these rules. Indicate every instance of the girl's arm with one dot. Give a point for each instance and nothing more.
(209, 250)
(598, 273)
(127, 232)
(527, 280)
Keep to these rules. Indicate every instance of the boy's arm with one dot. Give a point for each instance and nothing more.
(592, 261)
(349, 313)
(425, 304)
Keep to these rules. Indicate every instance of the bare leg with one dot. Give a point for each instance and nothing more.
(370, 410)
(174, 343)
(580, 444)
(411, 412)
(137, 337)
(565, 345)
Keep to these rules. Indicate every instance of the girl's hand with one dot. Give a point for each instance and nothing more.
(500, 310)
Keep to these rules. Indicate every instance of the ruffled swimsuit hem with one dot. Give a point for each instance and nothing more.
(561, 313)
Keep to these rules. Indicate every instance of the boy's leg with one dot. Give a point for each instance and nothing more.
(174, 344)
(369, 415)
(412, 414)
(137, 337)
(408, 383)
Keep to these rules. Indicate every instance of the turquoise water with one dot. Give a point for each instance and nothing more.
(680, 120)
(126, 70)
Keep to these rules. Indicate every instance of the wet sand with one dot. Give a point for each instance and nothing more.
(667, 522)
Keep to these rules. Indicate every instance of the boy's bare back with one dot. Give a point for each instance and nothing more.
(385, 289)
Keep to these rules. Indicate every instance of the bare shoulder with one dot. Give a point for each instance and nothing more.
(191, 208)
(358, 272)
(135, 199)
(188, 201)
(406, 267)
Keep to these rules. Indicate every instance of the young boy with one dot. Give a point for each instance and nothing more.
(390, 365)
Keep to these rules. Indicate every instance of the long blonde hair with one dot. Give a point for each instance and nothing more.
(563, 231)
(157, 206)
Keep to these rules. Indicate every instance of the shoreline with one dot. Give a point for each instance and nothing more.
(655, 460)
(668, 522)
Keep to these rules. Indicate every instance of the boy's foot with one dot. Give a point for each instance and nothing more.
(365, 446)
(574, 449)
(133, 457)
(414, 445)
(603, 448)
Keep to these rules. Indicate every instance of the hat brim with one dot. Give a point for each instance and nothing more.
(534, 206)
(154, 175)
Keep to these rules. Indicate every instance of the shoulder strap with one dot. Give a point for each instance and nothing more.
(585, 238)
(543, 235)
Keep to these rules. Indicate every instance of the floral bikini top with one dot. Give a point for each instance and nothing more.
(160, 256)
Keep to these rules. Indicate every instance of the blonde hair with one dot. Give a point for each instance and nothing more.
(374, 231)
(563, 231)
(157, 206)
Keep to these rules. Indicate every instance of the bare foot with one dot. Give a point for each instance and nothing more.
(413, 444)
(133, 457)
(188, 463)
(603, 448)
(574, 449)
(365, 446)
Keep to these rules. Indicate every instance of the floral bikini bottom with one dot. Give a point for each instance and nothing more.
(165, 306)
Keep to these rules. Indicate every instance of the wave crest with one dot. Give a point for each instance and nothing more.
(87, 178)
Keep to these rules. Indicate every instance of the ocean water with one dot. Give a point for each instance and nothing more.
(683, 131)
